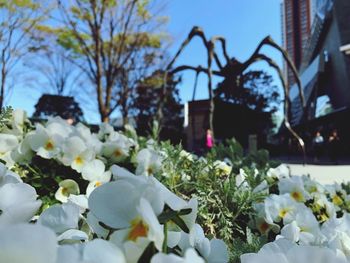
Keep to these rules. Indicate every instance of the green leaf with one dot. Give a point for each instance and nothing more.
(180, 223)
(167, 216)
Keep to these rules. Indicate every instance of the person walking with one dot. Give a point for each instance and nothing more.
(209, 140)
(334, 146)
(318, 142)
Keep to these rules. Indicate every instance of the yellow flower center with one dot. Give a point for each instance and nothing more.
(138, 229)
(313, 189)
(282, 213)
(323, 217)
(98, 183)
(117, 153)
(79, 160)
(303, 229)
(49, 145)
(150, 170)
(227, 170)
(297, 196)
(65, 191)
(337, 200)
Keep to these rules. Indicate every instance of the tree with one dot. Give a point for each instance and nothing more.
(55, 105)
(255, 97)
(17, 19)
(113, 42)
(145, 105)
(255, 91)
(55, 74)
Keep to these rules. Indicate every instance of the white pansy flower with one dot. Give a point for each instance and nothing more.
(304, 229)
(285, 251)
(95, 251)
(282, 171)
(117, 147)
(190, 256)
(129, 212)
(281, 207)
(105, 130)
(23, 153)
(148, 162)
(95, 173)
(222, 166)
(27, 243)
(91, 140)
(142, 182)
(260, 220)
(80, 200)
(262, 188)
(336, 194)
(66, 188)
(60, 218)
(241, 179)
(7, 176)
(72, 236)
(58, 126)
(189, 156)
(218, 252)
(76, 154)
(312, 186)
(19, 117)
(295, 187)
(143, 229)
(95, 226)
(47, 145)
(7, 143)
(18, 203)
(214, 251)
(323, 208)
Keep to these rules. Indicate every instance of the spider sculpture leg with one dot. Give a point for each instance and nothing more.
(274, 65)
(269, 41)
(211, 55)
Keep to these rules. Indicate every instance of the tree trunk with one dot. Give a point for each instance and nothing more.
(104, 117)
(2, 87)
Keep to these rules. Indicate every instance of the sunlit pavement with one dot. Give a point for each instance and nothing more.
(324, 174)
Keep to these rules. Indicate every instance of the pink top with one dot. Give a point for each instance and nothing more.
(209, 141)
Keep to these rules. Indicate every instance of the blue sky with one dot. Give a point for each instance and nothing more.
(242, 22)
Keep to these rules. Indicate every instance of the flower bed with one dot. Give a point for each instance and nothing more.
(70, 195)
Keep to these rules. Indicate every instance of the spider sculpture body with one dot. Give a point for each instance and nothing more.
(232, 69)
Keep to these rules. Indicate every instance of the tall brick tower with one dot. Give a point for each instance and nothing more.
(297, 17)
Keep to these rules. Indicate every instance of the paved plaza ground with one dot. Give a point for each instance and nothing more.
(325, 174)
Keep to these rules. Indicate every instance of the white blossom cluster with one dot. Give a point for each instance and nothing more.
(122, 217)
(129, 216)
(310, 220)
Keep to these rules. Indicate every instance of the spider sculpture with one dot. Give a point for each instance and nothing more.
(233, 70)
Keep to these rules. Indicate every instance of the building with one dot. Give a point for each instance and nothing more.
(196, 118)
(297, 19)
(230, 121)
(325, 73)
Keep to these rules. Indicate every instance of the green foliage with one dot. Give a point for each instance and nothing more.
(225, 208)
(5, 117)
(45, 175)
(142, 10)
(252, 244)
(14, 5)
(149, 92)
